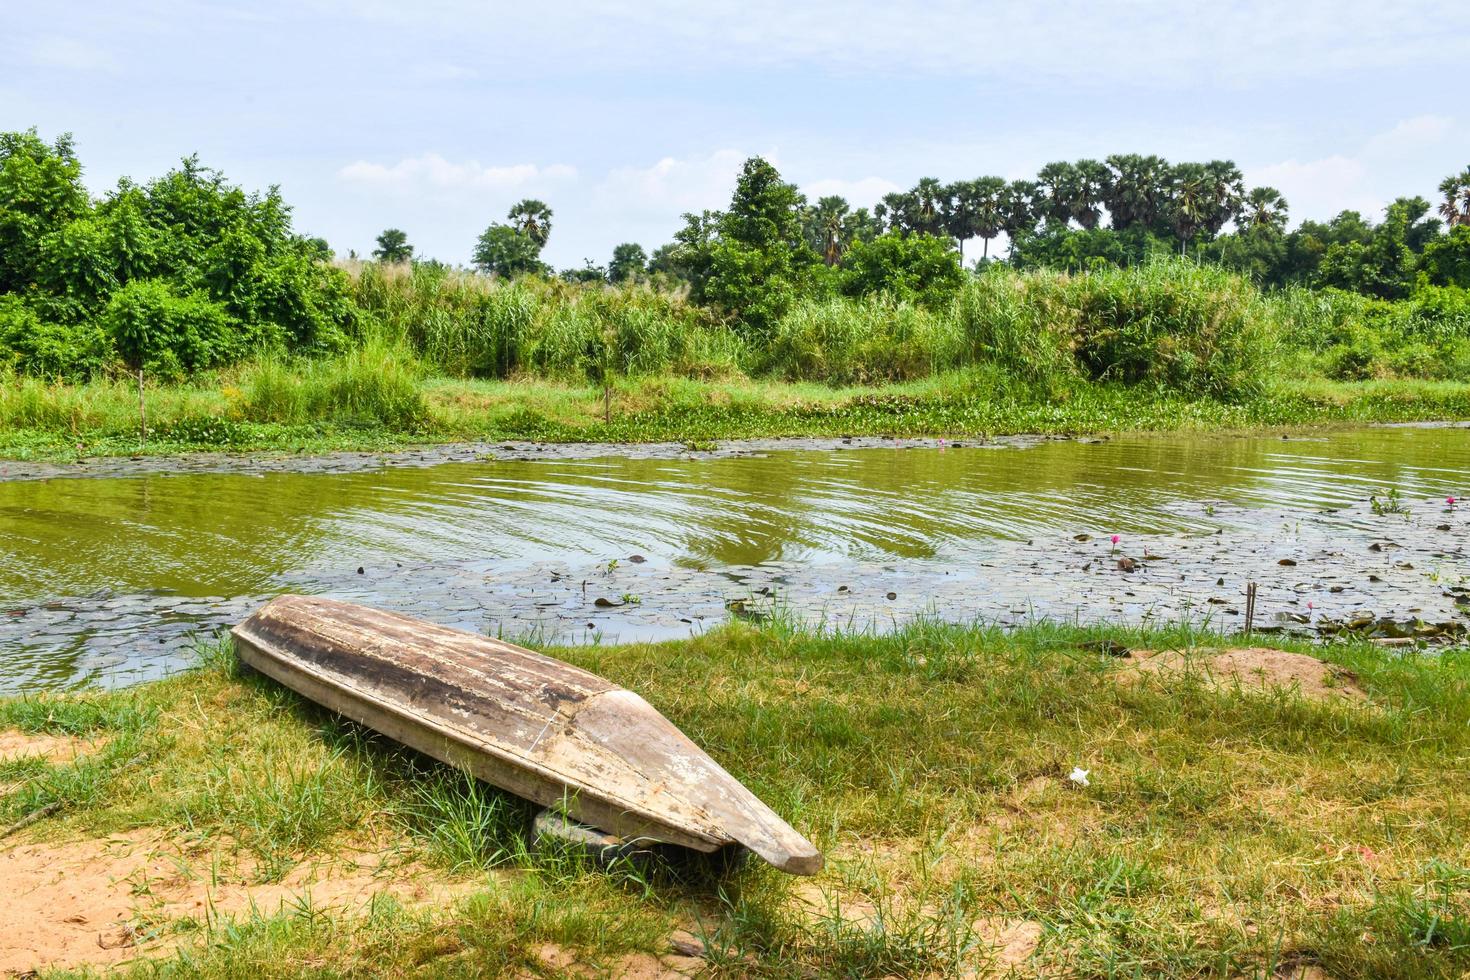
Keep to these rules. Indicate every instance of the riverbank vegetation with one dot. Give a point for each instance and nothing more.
(987, 800)
(775, 316)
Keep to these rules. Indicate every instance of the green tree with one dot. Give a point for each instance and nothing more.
(393, 247)
(1059, 184)
(1137, 190)
(40, 191)
(1226, 194)
(906, 267)
(531, 218)
(1446, 261)
(988, 195)
(825, 227)
(1264, 210)
(503, 250)
(628, 264)
(589, 273)
(1191, 201)
(860, 226)
(1093, 182)
(759, 262)
(1455, 208)
(1018, 208)
(1382, 266)
(898, 211)
(930, 204)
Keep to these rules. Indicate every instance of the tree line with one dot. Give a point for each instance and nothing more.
(1123, 210)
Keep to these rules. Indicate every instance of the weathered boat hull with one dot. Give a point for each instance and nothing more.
(540, 728)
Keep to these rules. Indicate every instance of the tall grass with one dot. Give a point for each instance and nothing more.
(377, 383)
(472, 326)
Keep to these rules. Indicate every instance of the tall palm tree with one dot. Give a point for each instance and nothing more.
(989, 192)
(533, 219)
(1094, 180)
(1137, 191)
(1227, 189)
(1192, 201)
(1264, 210)
(930, 204)
(1455, 208)
(1059, 188)
(959, 214)
(899, 210)
(1018, 208)
(828, 227)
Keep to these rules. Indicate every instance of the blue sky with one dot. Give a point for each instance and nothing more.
(436, 116)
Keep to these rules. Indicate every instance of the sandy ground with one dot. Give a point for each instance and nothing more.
(1249, 667)
(52, 748)
(102, 902)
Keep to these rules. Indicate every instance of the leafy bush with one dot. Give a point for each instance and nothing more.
(59, 351)
(168, 334)
(917, 268)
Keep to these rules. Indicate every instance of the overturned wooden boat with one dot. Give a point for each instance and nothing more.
(542, 729)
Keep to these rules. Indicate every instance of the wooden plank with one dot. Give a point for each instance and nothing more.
(538, 727)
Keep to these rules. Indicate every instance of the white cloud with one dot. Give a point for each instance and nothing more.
(673, 186)
(432, 171)
(859, 193)
(1387, 165)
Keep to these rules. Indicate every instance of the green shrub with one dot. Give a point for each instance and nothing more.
(168, 334)
(59, 351)
(917, 268)
(1196, 329)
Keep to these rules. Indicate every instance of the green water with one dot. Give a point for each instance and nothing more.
(236, 538)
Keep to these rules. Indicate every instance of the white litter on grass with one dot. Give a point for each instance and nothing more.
(1079, 777)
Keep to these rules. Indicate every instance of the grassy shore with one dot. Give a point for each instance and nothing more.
(367, 407)
(1225, 830)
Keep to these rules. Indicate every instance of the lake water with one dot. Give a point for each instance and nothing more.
(107, 580)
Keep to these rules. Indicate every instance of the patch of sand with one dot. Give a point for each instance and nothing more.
(1011, 942)
(101, 902)
(1249, 667)
(53, 748)
(635, 966)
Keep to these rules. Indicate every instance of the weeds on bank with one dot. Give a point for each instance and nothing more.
(1225, 831)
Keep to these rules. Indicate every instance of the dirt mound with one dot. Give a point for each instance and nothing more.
(1249, 667)
(105, 901)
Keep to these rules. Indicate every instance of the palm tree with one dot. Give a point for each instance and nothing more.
(930, 204)
(1059, 184)
(1094, 181)
(828, 227)
(533, 219)
(393, 247)
(1264, 210)
(1136, 193)
(1192, 201)
(899, 210)
(1455, 208)
(988, 193)
(959, 213)
(1018, 208)
(1226, 188)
